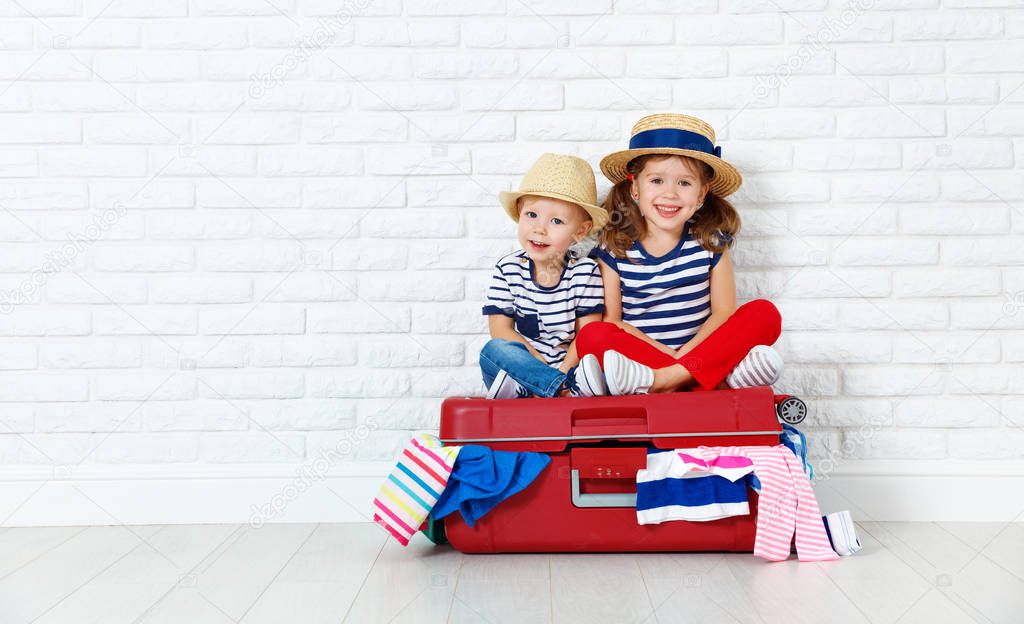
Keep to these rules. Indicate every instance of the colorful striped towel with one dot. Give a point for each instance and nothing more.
(410, 491)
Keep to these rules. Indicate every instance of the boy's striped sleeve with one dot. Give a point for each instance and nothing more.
(499, 296)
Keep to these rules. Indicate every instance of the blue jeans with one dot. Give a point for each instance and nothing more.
(515, 359)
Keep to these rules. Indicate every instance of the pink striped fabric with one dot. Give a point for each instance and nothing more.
(706, 461)
(786, 505)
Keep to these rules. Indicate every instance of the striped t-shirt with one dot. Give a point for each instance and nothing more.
(667, 297)
(545, 316)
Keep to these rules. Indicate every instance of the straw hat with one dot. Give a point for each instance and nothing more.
(559, 177)
(682, 135)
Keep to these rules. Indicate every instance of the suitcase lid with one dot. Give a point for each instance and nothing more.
(671, 420)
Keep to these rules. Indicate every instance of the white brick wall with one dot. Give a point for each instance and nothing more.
(231, 231)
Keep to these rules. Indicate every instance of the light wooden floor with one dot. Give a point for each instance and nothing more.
(302, 574)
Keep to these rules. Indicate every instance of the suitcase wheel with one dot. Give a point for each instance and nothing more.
(791, 410)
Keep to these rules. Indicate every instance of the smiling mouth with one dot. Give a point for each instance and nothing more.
(538, 246)
(667, 211)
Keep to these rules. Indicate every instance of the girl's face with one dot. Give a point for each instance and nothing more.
(547, 227)
(668, 191)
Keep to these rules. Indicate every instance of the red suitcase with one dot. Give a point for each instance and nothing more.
(584, 501)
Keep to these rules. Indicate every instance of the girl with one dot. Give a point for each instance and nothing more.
(670, 298)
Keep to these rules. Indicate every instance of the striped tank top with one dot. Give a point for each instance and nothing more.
(667, 297)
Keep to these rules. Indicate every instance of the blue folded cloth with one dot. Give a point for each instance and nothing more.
(482, 478)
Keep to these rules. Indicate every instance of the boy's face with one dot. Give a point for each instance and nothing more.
(547, 227)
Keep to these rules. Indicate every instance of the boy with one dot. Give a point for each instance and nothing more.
(540, 296)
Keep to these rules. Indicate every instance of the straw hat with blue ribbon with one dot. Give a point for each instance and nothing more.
(681, 135)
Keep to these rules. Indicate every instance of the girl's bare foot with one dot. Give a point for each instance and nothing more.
(671, 378)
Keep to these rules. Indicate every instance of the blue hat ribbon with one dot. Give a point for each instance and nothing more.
(674, 138)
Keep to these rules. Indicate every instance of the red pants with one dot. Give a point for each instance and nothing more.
(754, 323)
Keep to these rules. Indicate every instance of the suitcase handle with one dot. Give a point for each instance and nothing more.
(624, 499)
(621, 420)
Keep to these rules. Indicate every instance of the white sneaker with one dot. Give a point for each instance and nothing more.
(625, 376)
(504, 387)
(588, 379)
(761, 367)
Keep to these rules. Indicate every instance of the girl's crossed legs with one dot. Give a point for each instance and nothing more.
(754, 323)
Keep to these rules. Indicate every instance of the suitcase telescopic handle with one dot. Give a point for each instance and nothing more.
(624, 499)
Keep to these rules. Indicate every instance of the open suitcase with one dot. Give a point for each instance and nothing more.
(584, 501)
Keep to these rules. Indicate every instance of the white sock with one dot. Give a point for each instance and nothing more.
(761, 367)
(624, 376)
(842, 532)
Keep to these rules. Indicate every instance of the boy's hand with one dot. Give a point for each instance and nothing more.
(502, 326)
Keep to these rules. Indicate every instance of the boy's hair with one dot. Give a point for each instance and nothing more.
(717, 217)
